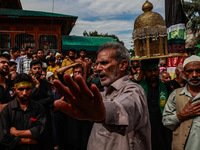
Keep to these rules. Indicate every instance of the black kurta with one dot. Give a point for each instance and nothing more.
(33, 119)
(160, 135)
(44, 96)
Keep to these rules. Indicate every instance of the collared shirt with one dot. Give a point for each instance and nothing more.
(24, 65)
(67, 62)
(33, 119)
(18, 62)
(171, 120)
(126, 126)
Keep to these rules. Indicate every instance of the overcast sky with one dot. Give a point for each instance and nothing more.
(105, 16)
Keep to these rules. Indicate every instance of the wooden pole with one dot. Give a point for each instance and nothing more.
(160, 45)
(166, 49)
(137, 48)
(148, 47)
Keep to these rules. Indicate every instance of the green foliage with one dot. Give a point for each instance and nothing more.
(95, 33)
(192, 10)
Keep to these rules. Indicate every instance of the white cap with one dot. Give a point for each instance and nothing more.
(49, 77)
(57, 54)
(48, 56)
(49, 74)
(6, 53)
(191, 59)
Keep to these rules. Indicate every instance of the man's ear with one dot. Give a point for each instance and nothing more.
(123, 65)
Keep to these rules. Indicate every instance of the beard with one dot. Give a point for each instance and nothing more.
(192, 83)
(82, 56)
(152, 79)
(22, 99)
(29, 55)
(109, 79)
(5, 73)
(71, 57)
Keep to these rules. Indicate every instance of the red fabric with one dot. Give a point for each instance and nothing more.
(33, 119)
(176, 48)
(174, 61)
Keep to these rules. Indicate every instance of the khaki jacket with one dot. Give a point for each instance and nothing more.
(180, 134)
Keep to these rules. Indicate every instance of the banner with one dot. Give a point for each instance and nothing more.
(176, 20)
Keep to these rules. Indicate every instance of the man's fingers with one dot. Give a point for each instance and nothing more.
(190, 101)
(84, 90)
(73, 87)
(63, 90)
(196, 104)
(97, 94)
(64, 107)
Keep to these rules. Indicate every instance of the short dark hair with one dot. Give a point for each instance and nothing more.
(27, 47)
(5, 56)
(40, 50)
(72, 50)
(11, 63)
(79, 66)
(22, 77)
(15, 49)
(35, 62)
(52, 58)
(84, 50)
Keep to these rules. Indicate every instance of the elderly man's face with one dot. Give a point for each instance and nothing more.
(107, 67)
(58, 58)
(165, 77)
(192, 73)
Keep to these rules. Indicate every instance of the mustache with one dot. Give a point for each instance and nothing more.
(194, 79)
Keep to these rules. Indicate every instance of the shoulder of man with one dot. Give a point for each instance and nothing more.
(36, 104)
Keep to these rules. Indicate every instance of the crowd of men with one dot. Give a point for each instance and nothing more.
(71, 103)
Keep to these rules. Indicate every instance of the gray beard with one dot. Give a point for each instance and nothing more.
(193, 84)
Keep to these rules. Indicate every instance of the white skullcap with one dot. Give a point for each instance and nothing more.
(190, 59)
(6, 53)
(48, 56)
(57, 54)
(49, 74)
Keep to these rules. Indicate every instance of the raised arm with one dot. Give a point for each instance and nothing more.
(64, 68)
(83, 103)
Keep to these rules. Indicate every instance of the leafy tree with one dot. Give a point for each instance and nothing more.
(95, 33)
(192, 10)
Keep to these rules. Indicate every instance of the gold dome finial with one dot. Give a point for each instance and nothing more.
(147, 6)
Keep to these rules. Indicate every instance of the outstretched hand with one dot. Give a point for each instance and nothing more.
(83, 103)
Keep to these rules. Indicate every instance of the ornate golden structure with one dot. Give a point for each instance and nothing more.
(149, 34)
